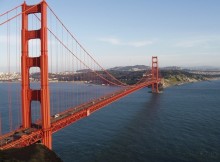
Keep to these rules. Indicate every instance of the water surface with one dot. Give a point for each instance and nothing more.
(181, 124)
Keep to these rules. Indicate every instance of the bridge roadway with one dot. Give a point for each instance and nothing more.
(25, 137)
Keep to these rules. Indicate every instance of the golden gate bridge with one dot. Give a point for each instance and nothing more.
(36, 49)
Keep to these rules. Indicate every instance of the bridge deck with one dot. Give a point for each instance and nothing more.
(24, 137)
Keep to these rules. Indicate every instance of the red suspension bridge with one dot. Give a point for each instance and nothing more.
(37, 50)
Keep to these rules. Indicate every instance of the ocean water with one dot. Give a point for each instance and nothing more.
(180, 125)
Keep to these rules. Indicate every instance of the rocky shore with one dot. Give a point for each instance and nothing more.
(32, 153)
(176, 78)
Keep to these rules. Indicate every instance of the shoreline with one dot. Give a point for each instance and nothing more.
(166, 82)
(194, 81)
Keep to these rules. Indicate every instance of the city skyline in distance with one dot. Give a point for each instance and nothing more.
(182, 33)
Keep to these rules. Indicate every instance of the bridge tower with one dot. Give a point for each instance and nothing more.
(42, 94)
(155, 76)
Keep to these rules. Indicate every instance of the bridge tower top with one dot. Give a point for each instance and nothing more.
(155, 68)
(155, 73)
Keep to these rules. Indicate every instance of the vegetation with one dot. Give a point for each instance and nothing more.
(170, 77)
(176, 77)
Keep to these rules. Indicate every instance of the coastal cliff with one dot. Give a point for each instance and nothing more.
(172, 78)
(177, 77)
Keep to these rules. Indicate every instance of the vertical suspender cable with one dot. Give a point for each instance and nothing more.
(9, 75)
(0, 124)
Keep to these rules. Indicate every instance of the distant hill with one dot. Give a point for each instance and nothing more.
(130, 68)
(204, 68)
(171, 68)
(84, 71)
(197, 68)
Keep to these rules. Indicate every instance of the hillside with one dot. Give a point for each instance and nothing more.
(170, 77)
(177, 77)
(32, 153)
(130, 68)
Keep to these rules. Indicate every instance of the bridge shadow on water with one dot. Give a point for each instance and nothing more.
(131, 142)
(165, 127)
(121, 132)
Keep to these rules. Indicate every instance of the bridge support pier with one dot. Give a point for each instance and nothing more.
(41, 95)
(155, 88)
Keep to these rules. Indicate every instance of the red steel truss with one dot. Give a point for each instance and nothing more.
(28, 94)
(155, 74)
(71, 116)
(29, 134)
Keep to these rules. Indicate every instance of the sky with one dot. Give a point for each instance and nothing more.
(128, 32)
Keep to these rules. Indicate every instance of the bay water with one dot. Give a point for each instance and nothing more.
(182, 124)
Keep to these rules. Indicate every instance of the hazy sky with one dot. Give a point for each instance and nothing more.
(129, 32)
